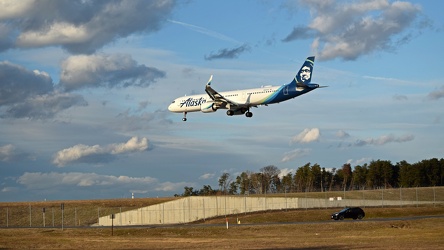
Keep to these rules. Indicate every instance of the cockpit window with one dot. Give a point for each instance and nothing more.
(173, 101)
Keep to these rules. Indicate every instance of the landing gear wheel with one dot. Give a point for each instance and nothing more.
(184, 116)
(249, 114)
(184, 119)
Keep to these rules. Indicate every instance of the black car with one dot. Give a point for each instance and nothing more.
(349, 212)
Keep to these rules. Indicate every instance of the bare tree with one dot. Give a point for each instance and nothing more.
(333, 172)
(224, 182)
(268, 173)
(346, 173)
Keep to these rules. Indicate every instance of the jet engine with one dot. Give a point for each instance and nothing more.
(208, 107)
(232, 112)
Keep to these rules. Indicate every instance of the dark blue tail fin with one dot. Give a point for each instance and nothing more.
(303, 77)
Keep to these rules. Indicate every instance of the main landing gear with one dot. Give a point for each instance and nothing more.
(239, 112)
(229, 113)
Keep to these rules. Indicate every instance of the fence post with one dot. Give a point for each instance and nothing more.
(30, 216)
(400, 195)
(203, 204)
(286, 207)
(416, 196)
(363, 197)
(245, 203)
(225, 205)
(434, 197)
(44, 224)
(382, 198)
(63, 209)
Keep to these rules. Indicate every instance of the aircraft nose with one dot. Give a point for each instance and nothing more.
(172, 107)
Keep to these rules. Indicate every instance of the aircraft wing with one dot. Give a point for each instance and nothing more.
(217, 98)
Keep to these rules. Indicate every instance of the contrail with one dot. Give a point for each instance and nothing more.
(206, 32)
(222, 37)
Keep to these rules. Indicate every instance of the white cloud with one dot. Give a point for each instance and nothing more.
(57, 33)
(79, 26)
(19, 83)
(286, 171)
(297, 153)
(8, 189)
(76, 153)
(170, 186)
(10, 153)
(342, 134)
(350, 29)
(132, 145)
(31, 94)
(139, 191)
(45, 106)
(384, 139)
(98, 154)
(359, 161)
(306, 136)
(436, 94)
(75, 179)
(6, 152)
(206, 176)
(83, 71)
(14, 9)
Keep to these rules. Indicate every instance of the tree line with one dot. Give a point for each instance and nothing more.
(314, 178)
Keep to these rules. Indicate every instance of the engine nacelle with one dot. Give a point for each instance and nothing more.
(231, 112)
(208, 107)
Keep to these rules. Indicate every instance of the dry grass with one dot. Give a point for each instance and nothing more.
(315, 230)
(257, 231)
(415, 234)
(319, 215)
(76, 213)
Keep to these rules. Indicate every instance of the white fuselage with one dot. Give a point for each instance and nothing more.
(253, 97)
(239, 102)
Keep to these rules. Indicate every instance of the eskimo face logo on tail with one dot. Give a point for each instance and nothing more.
(304, 74)
(190, 102)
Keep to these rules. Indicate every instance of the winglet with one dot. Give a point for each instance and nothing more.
(209, 81)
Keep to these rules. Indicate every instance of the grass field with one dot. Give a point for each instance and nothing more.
(85, 213)
(401, 234)
(313, 230)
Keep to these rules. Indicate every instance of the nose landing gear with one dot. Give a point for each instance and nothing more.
(184, 116)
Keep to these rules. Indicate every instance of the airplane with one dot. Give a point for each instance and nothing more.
(239, 102)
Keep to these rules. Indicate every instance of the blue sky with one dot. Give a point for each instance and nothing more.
(85, 87)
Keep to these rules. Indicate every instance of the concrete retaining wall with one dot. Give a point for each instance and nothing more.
(195, 208)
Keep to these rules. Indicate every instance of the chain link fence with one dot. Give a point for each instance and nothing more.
(52, 214)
